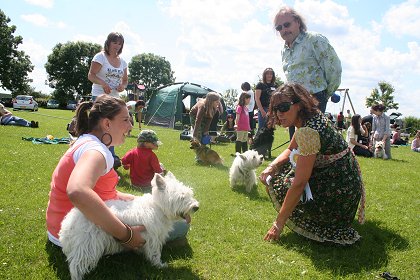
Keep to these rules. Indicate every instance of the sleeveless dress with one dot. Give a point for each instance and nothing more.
(335, 184)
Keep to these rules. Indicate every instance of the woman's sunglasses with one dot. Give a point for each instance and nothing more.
(283, 107)
(285, 25)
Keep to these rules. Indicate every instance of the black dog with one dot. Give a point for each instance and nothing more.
(263, 141)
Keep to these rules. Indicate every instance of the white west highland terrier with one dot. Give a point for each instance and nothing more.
(242, 171)
(84, 243)
(380, 150)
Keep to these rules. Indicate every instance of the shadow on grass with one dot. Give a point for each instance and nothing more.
(128, 265)
(253, 195)
(399, 160)
(217, 166)
(370, 253)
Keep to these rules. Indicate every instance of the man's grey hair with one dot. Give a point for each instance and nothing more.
(294, 14)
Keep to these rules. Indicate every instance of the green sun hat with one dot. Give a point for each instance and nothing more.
(150, 136)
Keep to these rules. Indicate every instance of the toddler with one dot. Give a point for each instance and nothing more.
(142, 161)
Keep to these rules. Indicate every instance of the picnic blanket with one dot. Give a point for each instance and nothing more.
(47, 140)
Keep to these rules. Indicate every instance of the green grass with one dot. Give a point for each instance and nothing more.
(226, 237)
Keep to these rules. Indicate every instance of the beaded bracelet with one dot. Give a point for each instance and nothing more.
(130, 230)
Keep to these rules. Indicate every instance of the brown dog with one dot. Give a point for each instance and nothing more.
(204, 153)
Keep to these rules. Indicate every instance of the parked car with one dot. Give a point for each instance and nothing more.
(53, 104)
(71, 105)
(25, 102)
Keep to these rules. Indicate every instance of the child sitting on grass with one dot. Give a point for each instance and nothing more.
(142, 161)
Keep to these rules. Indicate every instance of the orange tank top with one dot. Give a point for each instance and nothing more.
(59, 204)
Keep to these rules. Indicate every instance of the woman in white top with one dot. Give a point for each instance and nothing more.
(108, 71)
(353, 132)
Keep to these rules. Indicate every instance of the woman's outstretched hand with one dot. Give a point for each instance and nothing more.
(269, 171)
(273, 233)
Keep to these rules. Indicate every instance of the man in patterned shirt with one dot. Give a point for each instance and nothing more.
(307, 57)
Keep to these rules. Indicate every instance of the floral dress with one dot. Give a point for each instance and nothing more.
(335, 185)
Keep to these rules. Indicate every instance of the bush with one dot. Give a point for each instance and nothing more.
(42, 102)
(412, 124)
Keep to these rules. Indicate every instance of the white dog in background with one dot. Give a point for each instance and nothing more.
(380, 150)
(242, 171)
(84, 243)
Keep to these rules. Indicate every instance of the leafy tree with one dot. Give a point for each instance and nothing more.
(14, 64)
(383, 96)
(68, 67)
(230, 96)
(150, 70)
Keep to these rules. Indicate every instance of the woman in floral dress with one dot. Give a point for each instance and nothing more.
(315, 184)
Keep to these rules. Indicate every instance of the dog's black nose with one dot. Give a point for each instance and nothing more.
(195, 208)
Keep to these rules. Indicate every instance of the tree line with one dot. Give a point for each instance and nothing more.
(68, 65)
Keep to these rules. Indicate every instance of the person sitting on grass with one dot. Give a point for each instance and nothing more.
(356, 130)
(7, 118)
(229, 128)
(142, 161)
(415, 145)
(84, 177)
(396, 138)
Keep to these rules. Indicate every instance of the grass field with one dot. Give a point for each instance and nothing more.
(226, 237)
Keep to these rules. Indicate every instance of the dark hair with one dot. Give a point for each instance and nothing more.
(245, 86)
(294, 93)
(140, 103)
(113, 37)
(378, 107)
(244, 95)
(229, 116)
(294, 14)
(355, 123)
(88, 114)
(267, 70)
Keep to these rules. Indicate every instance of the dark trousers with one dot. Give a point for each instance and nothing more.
(359, 151)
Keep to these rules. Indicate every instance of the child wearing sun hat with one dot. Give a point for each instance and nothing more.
(142, 161)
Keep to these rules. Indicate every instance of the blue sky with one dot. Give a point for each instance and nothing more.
(221, 44)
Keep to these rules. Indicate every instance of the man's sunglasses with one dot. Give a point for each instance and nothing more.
(283, 107)
(285, 25)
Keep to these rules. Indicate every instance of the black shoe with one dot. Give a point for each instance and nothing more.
(36, 124)
(117, 162)
(33, 124)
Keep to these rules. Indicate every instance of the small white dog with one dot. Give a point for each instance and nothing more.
(380, 150)
(242, 171)
(84, 243)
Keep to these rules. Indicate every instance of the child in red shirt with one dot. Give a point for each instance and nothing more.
(142, 161)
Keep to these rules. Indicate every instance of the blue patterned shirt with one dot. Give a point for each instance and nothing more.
(381, 126)
(312, 62)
